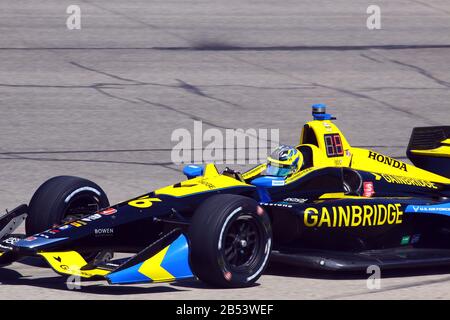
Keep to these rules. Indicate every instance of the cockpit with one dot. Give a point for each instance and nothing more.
(284, 161)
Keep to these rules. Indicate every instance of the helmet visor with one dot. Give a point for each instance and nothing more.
(277, 170)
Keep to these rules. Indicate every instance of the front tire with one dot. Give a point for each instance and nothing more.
(62, 198)
(231, 240)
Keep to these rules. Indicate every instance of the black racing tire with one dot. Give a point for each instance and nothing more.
(60, 197)
(231, 239)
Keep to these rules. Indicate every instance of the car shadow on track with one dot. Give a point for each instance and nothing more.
(279, 269)
(12, 277)
(196, 284)
(57, 282)
(188, 284)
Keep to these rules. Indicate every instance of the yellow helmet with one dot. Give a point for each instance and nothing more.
(284, 161)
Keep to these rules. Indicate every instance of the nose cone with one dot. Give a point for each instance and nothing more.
(34, 242)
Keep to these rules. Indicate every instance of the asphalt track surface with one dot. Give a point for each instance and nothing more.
(102, 102)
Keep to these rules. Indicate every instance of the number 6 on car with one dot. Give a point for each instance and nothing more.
(143, 202)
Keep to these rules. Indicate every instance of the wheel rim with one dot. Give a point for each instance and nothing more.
(243, 239)
(80, 206)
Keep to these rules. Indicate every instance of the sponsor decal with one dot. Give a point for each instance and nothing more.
(5, 247)
(32, 238)
(369, 190)
(108, 212)
(11, 240)
(104, 232)
(415, 238)
(389, 161)
(277, 182)
(53, 231)
(296, 200)
(409, 181)
(78, 223)
(405, 240)
(43, 236)
(93, 217)
(279, 204)
(65, 227)
(327, 126)
(443, 209)
(74, 269)
(353, 215)
(89, 218)
(209, 185)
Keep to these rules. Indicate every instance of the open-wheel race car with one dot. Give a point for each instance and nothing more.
(321, 204)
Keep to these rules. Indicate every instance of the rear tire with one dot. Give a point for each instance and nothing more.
(231, 240)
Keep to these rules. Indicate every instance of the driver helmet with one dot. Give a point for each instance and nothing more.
(284, 161)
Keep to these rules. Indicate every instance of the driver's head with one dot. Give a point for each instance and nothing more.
(284, 161)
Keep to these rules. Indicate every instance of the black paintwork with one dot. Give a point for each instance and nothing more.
(132, 229)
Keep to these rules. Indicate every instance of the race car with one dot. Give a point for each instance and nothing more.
(321, 204)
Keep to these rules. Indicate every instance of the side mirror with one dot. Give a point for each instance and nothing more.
(192, 171)
(268, 181)
(264, 183)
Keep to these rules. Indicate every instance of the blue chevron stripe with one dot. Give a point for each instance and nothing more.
(176, 260)
(128, 275)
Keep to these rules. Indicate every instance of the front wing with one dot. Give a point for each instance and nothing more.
(163, 261)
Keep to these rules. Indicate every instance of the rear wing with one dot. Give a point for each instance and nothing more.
(429, 149)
